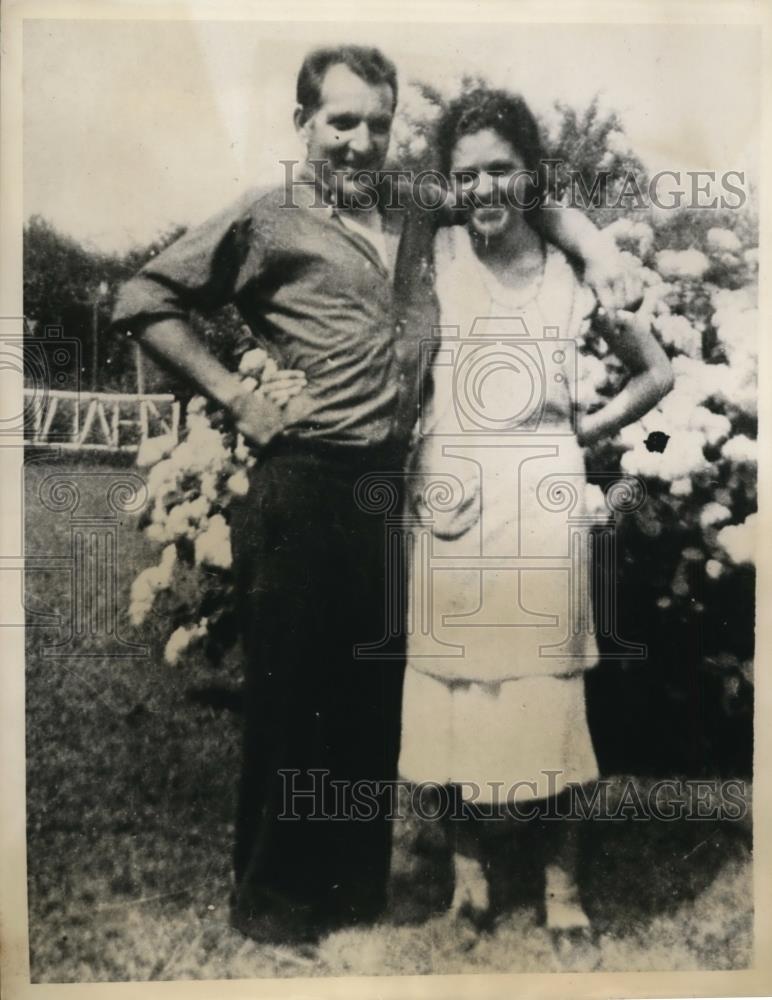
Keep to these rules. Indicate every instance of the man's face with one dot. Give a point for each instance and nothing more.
(351, 127)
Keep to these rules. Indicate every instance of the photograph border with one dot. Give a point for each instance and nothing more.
(14, 972)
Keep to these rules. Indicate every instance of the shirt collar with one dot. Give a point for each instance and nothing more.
(318, 193)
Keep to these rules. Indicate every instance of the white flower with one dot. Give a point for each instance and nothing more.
(213, 546)
(736, 319)
(153, 449)
(619, 229)
(714, 426)
(741, 448)
(606, 160)
(734, 298)
(696, 380)
(682, 263)
(182, 638)
(681, 487)
(168, 561)
(632, 435)
(209, 486)
(159, 514)
(751, 257)
(417, 145)
(162, 478)
(241, 451)
(618, 143)
(199, 419)
(150, 582)
(637, 237)
(723, 239)
(678, 332)
(202, 451)
(238, 483)
(714, 568)
(650, 278)
(595, 501)
(414, 105)
(739, 540)
(737, 330)
(714, 513)
(682, 457)
(253, 362)
(157, 532)
(679, 414)
(138, 611)
(196, 406)
(185, 520)
(155, 578)
(739, 389)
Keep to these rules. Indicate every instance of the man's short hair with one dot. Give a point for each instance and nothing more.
(369, 64)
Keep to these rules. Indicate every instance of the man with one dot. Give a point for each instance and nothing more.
(341, 290)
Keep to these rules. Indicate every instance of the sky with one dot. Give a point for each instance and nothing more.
(131, 127)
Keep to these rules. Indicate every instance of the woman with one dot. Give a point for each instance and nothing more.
(502, 625)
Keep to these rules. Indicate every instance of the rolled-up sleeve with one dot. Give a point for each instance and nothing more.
(203, 270)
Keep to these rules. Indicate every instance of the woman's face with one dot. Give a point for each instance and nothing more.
(488, 165)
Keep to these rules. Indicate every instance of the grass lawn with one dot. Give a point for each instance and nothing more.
(131, 792)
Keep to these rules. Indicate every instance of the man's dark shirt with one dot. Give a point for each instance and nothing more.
(317, 295)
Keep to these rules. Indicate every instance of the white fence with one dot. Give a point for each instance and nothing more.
(97, 421)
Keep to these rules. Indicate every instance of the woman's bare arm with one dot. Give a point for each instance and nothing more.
(631, 340)
(615, 284)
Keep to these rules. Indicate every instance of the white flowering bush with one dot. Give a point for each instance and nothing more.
(190, 486)
(687, 555)
(685, 574)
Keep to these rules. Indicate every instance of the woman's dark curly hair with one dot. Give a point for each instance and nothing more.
(506, 114)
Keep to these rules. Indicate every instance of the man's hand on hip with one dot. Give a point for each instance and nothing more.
(257, 417)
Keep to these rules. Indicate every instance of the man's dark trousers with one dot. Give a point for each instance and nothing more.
(313, 573)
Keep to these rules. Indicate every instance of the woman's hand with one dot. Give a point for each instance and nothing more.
(610, 273)
(631, 339)
(448, 522)
(614, 279)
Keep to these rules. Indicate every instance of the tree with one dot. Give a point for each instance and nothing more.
(63, 287)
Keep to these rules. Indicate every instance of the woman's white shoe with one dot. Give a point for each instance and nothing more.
(471, 895)
(564, 911)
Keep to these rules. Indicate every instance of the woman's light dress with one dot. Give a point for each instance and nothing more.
(500, 620)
